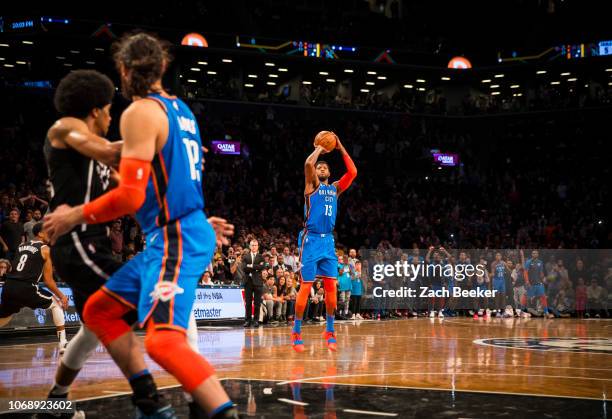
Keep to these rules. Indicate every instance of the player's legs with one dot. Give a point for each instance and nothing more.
(499, 285)
(57, 313)
(171, 273)
(45, 300)
(307, 276)
(84, 264)
(104, 314)
(327, 269)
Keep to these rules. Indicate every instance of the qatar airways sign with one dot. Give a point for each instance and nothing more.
(446, 159)
(226, 147)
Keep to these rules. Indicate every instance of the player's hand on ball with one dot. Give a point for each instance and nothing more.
(222, 228)
(60, 222)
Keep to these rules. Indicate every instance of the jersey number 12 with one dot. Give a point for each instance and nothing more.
(193, 153)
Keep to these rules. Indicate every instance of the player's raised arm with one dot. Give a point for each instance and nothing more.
(351, 171)
(73, 132)
(140, 128)
(310, 173)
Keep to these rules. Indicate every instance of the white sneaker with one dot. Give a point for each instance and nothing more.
(480, 313)
(353, 317)
(488, 313)
(525, 315)
(415, 314)
(432, 314)
(359, 316)
(440, 314)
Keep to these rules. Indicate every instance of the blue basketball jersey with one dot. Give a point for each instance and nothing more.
(175, 186)
(500, 270)
(320, 209)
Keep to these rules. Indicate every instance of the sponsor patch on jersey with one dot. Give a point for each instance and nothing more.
(165, 291)
(600, 345)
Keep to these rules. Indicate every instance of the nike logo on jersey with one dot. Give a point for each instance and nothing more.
(153, 237)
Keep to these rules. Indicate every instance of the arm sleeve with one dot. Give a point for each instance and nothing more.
(351, 173)
(127, 198)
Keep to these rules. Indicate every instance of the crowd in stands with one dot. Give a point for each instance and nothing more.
(535, 182)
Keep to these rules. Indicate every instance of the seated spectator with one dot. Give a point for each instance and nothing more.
(206, 279)
(281, 299)
(269, 301)
(317, 302)
(597, 297)
(290, 297)
(5, 268)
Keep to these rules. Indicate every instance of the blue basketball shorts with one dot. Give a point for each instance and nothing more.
(317, 256)
(160, 282)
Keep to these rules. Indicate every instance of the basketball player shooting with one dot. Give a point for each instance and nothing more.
(316, 240)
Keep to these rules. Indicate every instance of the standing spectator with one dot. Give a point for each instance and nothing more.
(252, 265)
(236, 268)
(356, 292)
(27, 227)
(33, 202)
(220, 274)
(345, 275)
(116, 236)
(596, 298)
(581, 298)
(352, 258)
(11, 234)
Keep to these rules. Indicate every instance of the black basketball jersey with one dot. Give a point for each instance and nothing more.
(28, 262)
(74, 180)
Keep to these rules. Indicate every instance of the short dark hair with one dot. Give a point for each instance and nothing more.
(322, 162)
(81, 91)
(37, 229)
(146, 57)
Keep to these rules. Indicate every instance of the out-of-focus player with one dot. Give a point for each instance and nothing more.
(33, 261)
(160, 180)
(316, 241)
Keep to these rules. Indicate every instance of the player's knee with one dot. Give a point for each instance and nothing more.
(329, 285)
(102, 315)
(170, 349)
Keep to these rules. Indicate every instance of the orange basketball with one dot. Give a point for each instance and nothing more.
(327, 140)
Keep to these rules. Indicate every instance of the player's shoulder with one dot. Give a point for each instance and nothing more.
(145, 105)
(65, 125)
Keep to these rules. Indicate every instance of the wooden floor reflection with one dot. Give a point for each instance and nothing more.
(413, 353)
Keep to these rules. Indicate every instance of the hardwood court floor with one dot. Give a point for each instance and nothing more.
(567, 358)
